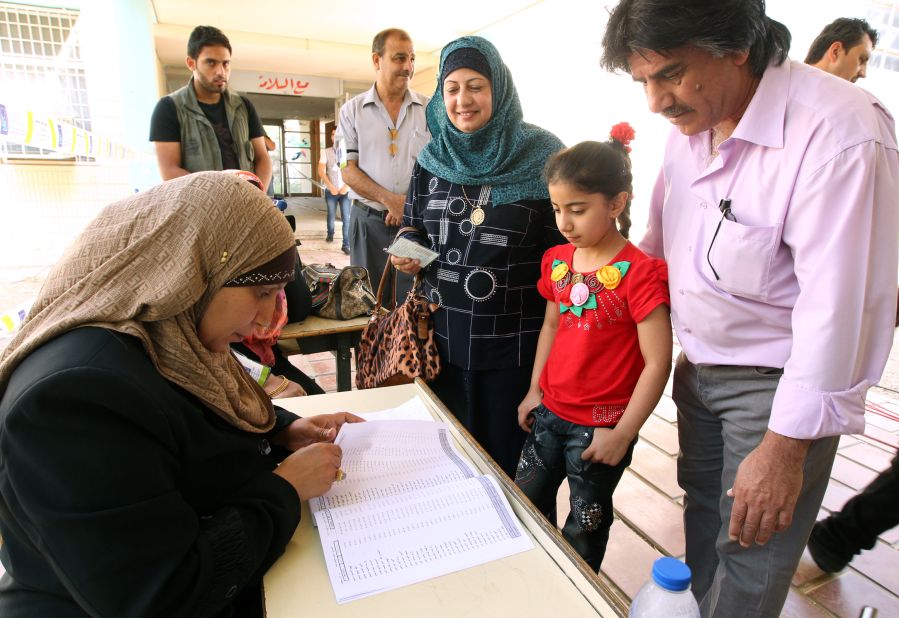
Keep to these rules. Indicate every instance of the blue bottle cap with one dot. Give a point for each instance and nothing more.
(671, 574)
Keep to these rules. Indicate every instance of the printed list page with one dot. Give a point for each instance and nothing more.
(388, 458)
(410, 508)
(392, 542)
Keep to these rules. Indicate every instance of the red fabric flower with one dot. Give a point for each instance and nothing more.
(623, 133)
(565, 295)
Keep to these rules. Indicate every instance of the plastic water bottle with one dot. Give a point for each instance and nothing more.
(667, 593)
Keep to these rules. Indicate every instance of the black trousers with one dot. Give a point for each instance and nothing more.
(486, 403)
(369, 237)
(865, 516)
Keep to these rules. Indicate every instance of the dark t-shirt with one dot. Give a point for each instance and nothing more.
(164, 126)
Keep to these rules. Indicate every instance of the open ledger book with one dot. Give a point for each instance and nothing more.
(410, 508)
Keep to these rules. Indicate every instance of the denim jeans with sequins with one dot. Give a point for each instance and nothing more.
(552, 451)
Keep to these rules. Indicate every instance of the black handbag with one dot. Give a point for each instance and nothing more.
(299, 298)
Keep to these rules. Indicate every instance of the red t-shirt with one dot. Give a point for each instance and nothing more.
(595, 359)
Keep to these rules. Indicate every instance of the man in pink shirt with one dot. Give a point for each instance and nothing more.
(776, 209)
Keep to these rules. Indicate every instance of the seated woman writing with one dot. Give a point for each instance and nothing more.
(139, 467)
(478, 198)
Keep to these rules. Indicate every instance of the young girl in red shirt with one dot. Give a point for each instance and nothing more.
(604, 352)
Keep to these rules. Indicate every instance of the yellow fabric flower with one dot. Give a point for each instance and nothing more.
(609, 276)
(559, 271)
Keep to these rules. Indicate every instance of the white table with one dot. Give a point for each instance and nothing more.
(550, 580)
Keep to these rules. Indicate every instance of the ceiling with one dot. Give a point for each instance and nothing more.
(331, 38)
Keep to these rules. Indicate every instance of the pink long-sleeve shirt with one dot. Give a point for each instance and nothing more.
(807, 272)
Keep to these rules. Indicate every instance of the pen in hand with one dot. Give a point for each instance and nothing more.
(340, 475)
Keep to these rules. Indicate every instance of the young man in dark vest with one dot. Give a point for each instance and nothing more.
(204, 126)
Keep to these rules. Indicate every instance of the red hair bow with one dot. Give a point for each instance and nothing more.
(623, 133)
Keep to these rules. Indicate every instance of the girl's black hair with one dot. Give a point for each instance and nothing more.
(595, 167)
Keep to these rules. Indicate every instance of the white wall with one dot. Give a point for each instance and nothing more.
(45, 204)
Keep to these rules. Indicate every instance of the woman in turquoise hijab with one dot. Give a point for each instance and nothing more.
(478, 199)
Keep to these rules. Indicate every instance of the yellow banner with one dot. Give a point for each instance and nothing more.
(27, 128)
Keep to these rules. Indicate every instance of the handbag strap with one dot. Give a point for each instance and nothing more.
(390, 269)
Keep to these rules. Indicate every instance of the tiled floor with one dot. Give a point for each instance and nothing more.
(648, 500)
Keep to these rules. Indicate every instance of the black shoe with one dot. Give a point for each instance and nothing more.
(824, 552)
(345, 250)
(329, 239)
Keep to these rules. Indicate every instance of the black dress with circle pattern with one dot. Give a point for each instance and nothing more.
(485, 278)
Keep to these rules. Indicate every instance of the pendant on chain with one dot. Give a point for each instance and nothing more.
(477, 215)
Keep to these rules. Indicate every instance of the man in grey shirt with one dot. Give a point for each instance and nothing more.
(382, 132)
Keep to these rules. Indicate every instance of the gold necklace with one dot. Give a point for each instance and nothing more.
(391, 147)
(477, 214)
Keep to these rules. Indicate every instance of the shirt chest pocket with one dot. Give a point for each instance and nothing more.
(742, 257)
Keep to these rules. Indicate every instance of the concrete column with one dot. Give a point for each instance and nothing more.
(120, 55)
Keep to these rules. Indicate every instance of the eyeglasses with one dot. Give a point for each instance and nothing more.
(724, 207)
(391, 148)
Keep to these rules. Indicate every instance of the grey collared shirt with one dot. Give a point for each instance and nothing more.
(364, 129)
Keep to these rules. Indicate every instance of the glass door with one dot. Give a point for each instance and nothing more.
(298, 156)
(273, 131)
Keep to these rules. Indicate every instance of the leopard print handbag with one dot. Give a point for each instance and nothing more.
(398, 346)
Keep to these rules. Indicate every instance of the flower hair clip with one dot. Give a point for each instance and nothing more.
(623, 133)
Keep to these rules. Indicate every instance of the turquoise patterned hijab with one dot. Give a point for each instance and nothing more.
(506, 153)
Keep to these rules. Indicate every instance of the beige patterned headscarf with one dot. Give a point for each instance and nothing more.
(148, 266)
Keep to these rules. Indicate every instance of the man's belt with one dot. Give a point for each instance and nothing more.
(372, 212)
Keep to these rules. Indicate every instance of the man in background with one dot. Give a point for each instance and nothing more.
(836, 540)
(843, 48)
(203, 126)
(382, 132)
(335, 192)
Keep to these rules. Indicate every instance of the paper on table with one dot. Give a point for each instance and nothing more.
(410, 509)
(403, 247)
(412, 410)
(387, 458)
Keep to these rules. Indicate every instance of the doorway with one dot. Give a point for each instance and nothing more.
(273, 129)
(298, 156)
